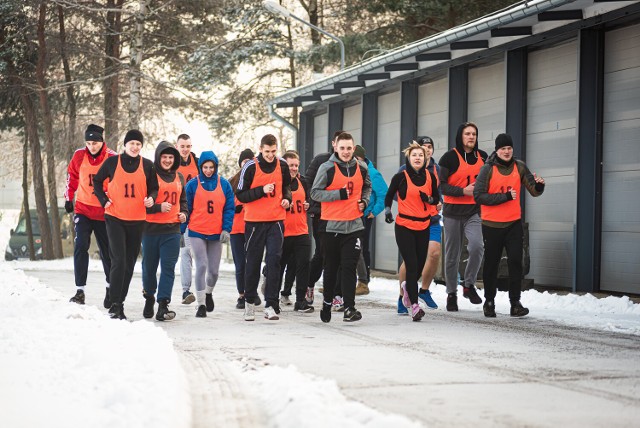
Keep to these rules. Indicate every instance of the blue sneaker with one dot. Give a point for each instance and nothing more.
(427, 299)
(402, 310)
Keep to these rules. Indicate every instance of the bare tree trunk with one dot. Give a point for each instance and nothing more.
(25, 197)
(48, 134)
(134, 67)
(311, 7)
(71, 98)
(292, 71)
(111, 73)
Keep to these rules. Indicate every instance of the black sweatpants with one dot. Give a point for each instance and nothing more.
(341, 251)
(295, 255)
(413, 246)
(495, 239)
(259, 235)
(84, 226)
(125, 238)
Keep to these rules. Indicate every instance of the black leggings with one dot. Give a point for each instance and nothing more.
(413, 246)
(125, 238)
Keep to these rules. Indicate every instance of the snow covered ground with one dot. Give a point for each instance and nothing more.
(69, 365)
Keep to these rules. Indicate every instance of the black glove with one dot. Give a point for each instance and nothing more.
(68, 206)
(239, 209)
(424, 197)
(388, 217)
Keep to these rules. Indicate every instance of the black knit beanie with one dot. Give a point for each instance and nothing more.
(245, 154)
(133, 134)
(503, 140)
(94, 133)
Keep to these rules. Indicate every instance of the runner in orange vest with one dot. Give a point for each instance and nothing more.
(297, 243)
(264, 190)
(132, 188)
(89, 214)
(189, 169)
(210, 204)
(236, 242)
(498, 191)
(459, 168)
(161, 238)
(417, 192)
(343, 188)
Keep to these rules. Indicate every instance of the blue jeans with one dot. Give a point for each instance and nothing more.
(160, 250)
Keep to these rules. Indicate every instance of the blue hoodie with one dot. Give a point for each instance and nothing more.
(378, 191)
(210, 183)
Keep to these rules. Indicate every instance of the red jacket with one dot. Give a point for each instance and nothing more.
(93, 213)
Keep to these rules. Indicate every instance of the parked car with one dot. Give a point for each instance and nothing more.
(18, 247)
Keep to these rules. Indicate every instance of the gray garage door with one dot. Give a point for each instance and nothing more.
(552, 151)
(320, 130)
(487, 103)
(433, 113)
(620, 257)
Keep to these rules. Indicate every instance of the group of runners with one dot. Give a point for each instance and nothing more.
(178, 206)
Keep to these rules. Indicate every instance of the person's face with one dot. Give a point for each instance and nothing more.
(505, 153)
(416, 159)
(166, 161)
(94, 146)
(184, 147)
(208, 168)
(428, 148)
(132, 148)
(469, 136)
(269, 152)
(344, 148)
(294, 165)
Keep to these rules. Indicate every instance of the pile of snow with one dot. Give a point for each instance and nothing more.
(69, 365)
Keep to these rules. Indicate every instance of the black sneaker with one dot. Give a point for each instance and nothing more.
(107, 299)
(489, 309)
(517, 310)
(240, 303)
(201, 312)
(78, 298)
(117, 311)
(471, 294)
(164, 314)
(188, 298)
(149, 301)
(325, 313)
(351, 315)
(303, 306)
(208, 300)
(452, 302)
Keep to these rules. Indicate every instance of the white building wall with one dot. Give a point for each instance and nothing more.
(352, 122)
(320, 130)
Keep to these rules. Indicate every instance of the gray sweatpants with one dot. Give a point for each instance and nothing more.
(206, 255)
(185, 262)
(454, 232)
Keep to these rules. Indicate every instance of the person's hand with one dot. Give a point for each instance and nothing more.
(182, 217)
(468, 191)
(439, 206)
(370, 215)
(165, 207)
(68, 206)
(538, 179)
(148, 202)
(224, 237)
(425, 198)
(268, 188)
(361, 205)
(514, 194)
(305, 206)
(388, 217)
(347, 190)
(285, 204)
(108, 204)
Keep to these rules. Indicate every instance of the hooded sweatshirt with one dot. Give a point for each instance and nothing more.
(167, 177)
(210, 184)
(319, 192)
(449, 164)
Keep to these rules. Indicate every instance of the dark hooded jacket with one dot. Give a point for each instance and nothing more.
(167, 177)
(449, 164)
(211, 183)
(481, 190)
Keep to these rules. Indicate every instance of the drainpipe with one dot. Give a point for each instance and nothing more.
(285, 122)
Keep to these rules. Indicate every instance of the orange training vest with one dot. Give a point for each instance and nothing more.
(510, 210)
(344, 209)
(465, 175)
(238, 219)
(168, 192)
(127, 192)
(85, 193)
(295, 224)
(188, 171)
(412, 206)
(208, 207)
(267, 208)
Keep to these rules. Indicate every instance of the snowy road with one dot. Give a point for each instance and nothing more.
(450, 369)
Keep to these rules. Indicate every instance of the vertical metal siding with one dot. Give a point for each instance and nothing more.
(486, 99)
(321, 137)
(352, 122)
(433, 113)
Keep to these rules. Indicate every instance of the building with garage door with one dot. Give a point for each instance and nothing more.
(562, 77)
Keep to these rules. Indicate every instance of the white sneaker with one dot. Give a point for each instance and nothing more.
(249, 312)
(270, 314)
(285, 300)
